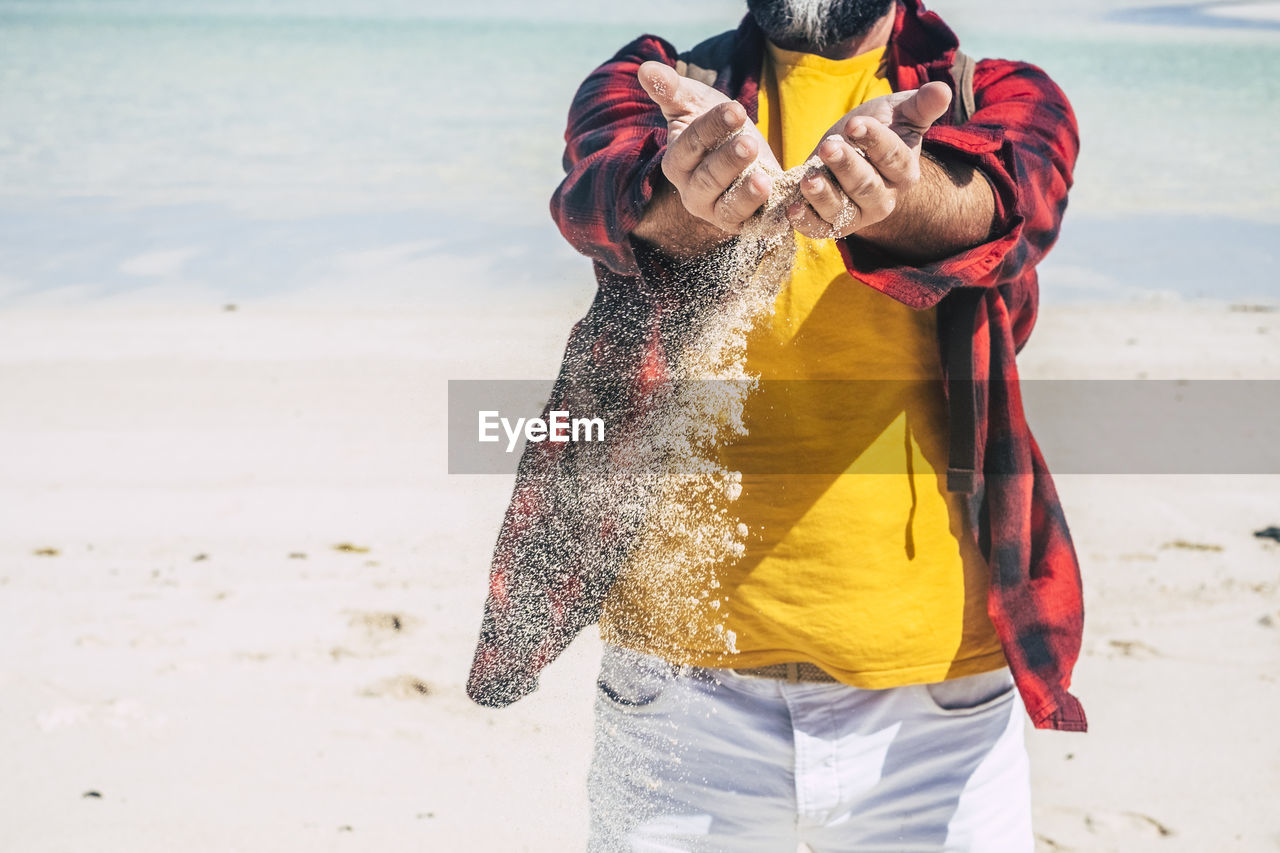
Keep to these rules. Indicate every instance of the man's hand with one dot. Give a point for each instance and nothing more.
(710, 145)
(873, 153)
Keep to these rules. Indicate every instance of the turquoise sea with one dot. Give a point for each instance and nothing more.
(395, 152)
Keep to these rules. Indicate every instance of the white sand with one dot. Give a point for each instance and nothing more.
(254, 701)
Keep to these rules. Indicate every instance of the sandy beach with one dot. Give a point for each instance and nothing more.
(240, 593)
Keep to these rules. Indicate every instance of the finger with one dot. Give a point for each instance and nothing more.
(700, 138)
(723, 166)
(857, 177)
(739, 203)
(712, 191)
(660, 81)
(806, 220)
(827, 200)
(886, 150)
(680, 98)
(917, 112)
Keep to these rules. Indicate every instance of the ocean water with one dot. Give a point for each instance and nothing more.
(404, 152)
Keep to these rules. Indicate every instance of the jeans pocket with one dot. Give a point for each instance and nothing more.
(971, 694)
(631, 681)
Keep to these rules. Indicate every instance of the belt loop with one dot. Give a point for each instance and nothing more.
(793, 673)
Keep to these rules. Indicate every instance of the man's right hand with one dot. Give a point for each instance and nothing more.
(710, 144)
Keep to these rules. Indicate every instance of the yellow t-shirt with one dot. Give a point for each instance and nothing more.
(857, 558)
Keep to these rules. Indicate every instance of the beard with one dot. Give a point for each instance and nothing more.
(816, 24)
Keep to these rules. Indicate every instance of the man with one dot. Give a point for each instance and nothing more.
(907, 562)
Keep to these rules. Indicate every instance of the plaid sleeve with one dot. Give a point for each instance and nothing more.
(1024, 138)
(614, 144)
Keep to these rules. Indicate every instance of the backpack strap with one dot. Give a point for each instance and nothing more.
(962, 72)
(704, 61)
(695, 72)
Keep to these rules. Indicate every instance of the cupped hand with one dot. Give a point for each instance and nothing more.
(713, 150)
(872, 160)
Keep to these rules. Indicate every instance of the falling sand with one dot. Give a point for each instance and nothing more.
(655, 499)
(691, 531)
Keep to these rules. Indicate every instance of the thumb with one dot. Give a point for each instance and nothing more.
(921, 108)
(660, 82)
(679, 97)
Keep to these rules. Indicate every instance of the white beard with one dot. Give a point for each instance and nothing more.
(808, 20)
(817, 23)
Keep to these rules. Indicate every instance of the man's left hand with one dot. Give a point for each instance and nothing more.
(873, 155)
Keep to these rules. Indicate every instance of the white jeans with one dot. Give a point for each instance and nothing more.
(706, 759)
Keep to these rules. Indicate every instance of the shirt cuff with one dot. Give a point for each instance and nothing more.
(923, 285)
(633, 200)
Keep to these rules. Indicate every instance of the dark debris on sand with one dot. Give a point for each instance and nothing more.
(1271, 532)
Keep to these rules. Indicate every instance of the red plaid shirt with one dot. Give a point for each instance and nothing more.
(546, 581)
